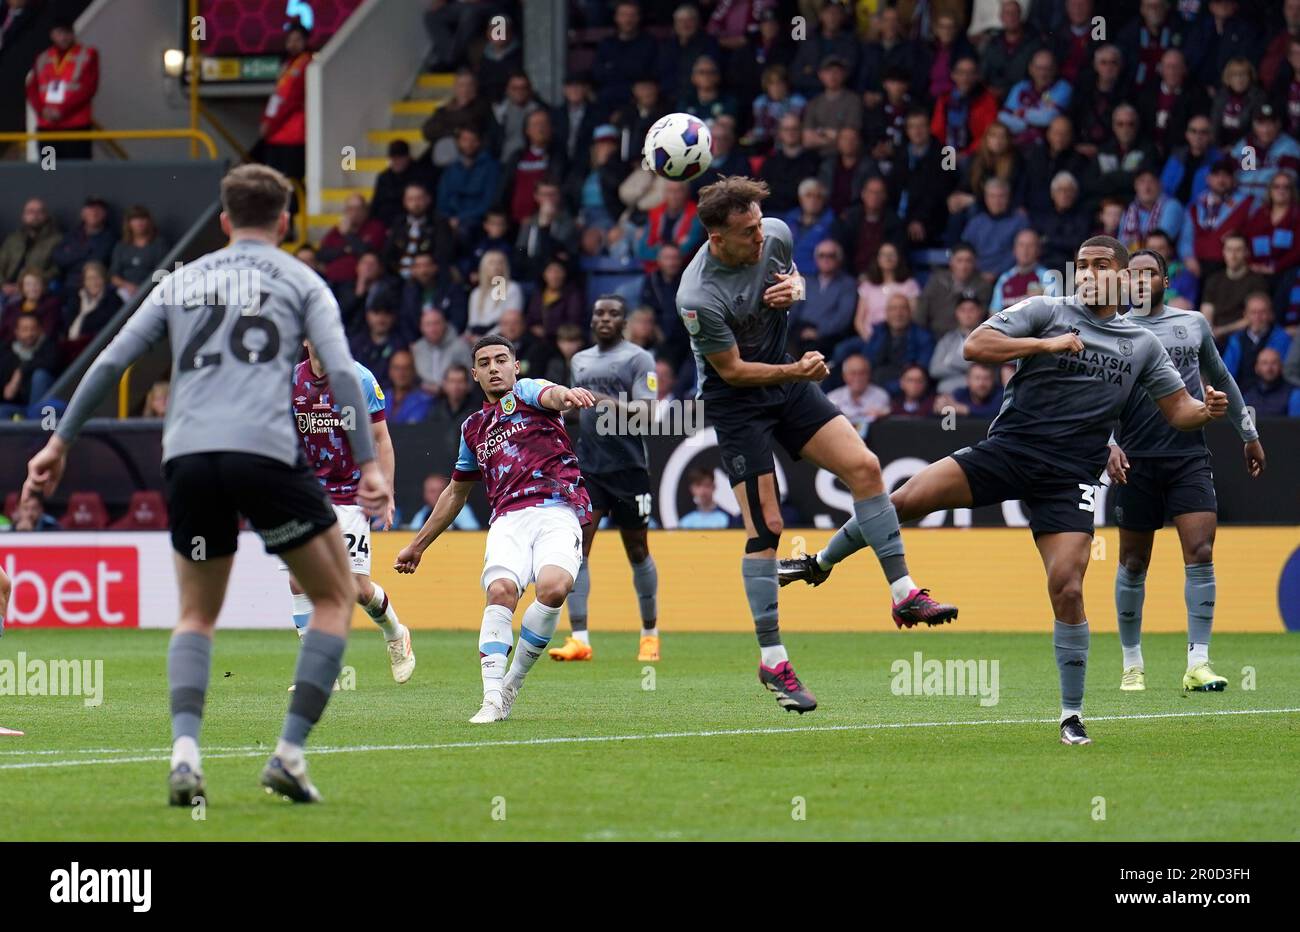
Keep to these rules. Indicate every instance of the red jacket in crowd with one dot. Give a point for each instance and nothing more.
(284, 122)
(982, 113)
(63, 84)
(1212, 219)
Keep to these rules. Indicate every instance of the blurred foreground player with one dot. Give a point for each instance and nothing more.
(4, 605)
(232, 361)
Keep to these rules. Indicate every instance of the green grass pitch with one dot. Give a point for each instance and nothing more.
(591, 753)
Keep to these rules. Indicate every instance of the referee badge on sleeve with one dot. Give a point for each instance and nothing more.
(692, 321)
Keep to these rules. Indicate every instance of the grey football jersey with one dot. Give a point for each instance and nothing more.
(232, 365)
(627, 371)
(1187, 338)
(1062, 407)
(722, 306)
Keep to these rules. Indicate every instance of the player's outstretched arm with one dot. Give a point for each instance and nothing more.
(993, 347)
(741, 373)
(1186, 413)
(450, 502)
(559, 398)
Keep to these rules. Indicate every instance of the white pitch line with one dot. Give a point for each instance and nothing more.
(598, 739)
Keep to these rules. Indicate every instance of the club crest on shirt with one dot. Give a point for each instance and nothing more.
(379, 392)
(508, 403)
(1180, 332)
(652, 381)
(692, 321)
(1125, 347)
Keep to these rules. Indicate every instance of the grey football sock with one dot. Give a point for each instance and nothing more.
(577, 600)
(878, 523)
(1199, 592)
(1130, 591)
(845, 542)
(759, 574)
(189, 661)
(645, 580)
(319, 662)
(1071, 643)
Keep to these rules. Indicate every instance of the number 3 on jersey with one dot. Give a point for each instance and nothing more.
(258, 349)
(1088, 504)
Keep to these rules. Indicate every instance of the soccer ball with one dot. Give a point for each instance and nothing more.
(678, 147)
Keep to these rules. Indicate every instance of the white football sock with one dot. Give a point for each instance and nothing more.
(535, 633)
(185, 750)
(495, 638)
(582, 636)
(773, 655)
(901, 588)
(1197, 653)
(380, 610)
(650, 632)
(1066, 713)
(1133, 657)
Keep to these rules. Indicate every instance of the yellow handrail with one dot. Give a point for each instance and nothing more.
(195, 135)
(124, 394)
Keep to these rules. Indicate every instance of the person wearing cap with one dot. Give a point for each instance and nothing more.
(1188, 169)
(834, 37)
(61, 87)
(402, 170)
(1271, 151)
(594, 189)
(283, 140)
(834, 109)
(92, 239)
(375, 345)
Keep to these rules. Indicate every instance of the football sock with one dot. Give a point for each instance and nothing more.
(301, 610)
(381, 613)
(534, 634)
(1199, 594)
(843, 543)
(495, 638)
(650, 632)
(878, 522)
(319, 662)
(1130, 591)
(578, 602)
(645, 580)
(189, 661)
(761, 588)
(771, 656)
(1071, 642)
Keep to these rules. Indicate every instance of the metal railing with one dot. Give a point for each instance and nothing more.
(196, 136)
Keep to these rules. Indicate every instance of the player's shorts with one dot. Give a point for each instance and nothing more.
(1056, 501)
(355, 525)
(746, 431)
(623, 495)
(1160, 488)
(207, 492)
(520, 543)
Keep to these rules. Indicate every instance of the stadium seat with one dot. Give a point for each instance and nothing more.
(146, 512)
(86, 512)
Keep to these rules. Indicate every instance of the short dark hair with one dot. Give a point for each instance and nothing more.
(962, 247)
(1241, 236)
(1108, 242)
(698, 475)
(611, 296)
(254, 196)
(491, 339)
(1160, 260)
(731, 194)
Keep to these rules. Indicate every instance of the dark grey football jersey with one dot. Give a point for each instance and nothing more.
(233, 360)
(1062, 407)
(1187, 338)
(722, 306)
(625, 372)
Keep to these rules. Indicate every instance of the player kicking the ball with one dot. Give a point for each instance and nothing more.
(1165, 473)
(518, 446)
(733, 300)
(621, 377)
(1078, 362)
(329, 454)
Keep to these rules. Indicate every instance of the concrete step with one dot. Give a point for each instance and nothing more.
(382, 137)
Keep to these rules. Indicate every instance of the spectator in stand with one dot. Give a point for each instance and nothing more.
(949, 365)
(1217, 213)
(568, 340)
(735, 23)
(91, 240)
(89, 309)
(887, 275)
(642, 329)
(15, 17)
(859, 400)
(1072, 41)
(534, 354)
(491, 235)
(790, 163)
(137, 254)
(452, 29)
(1150, 210)
(283, 130)
(1027, 277)
(1064, 225)
(1118, 161)
(921, 183)
(1236, 98)
(1166, 106)
(456, 401)
(705, 97)
(28, 365)
(865, 226)
(673, 221)
(415, 231)
(634, 119)
(155, 400)
(679, 53)
(891, 52)
(945, 289)
(1007, 54)
(772, 45)
(438, 348)
(1285, 89)
(1271, 151)
(1270, 395)
(727, 159)
(835, 108)
(429, 289)
(1223, 299)
(352, 295)
(1223, 36)
(980, 397)
(467, 108)
(659, 293)
(996, 157)
(825, 316)
(962, 115)
(845, 172)
(548, 232)
(946, 47)
(434, 483)
(556, 301)
(594, 190)
(375, 346)
(538, 158)
(886, 122)
(511, 113)
(391, 185)
(1146, 39)
(1274, 229)
(407, 401)
(1033, 103)
(576, 117)
(494, 294)
(503, 56)
(893, 346)
(809, 223)
(706, 515)
(623, 57)
(833, 38)
(1261, 332)
(994, 229)
(913, 397)
(356, 233)
(1102, 89)
(468, 185)
(306, 254)
(31, 246)
(1286, 302)
(1279, 46)
(1187, 171)
(61, 88)
(32, 299)
(775, 103)
(31, 516)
